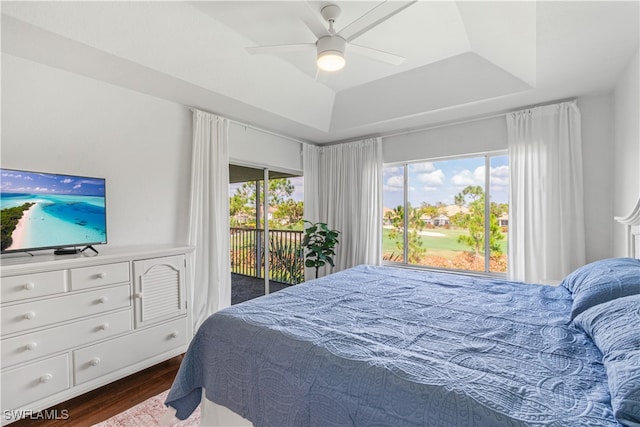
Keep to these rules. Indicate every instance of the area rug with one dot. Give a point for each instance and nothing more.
(150, 413)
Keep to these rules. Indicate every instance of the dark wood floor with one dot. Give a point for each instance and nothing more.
(105, 402)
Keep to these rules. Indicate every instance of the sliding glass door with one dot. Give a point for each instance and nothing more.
(266, 231)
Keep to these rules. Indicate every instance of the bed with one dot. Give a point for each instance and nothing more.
(384, 346)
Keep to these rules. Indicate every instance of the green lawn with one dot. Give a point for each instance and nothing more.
(446, 245)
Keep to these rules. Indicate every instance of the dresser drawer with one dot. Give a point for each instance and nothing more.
(15, 288)
(101, 359)
(34, 381)
(39, 344)
(99, 275)
(29, 315)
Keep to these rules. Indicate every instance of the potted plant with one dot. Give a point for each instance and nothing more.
(319, 241)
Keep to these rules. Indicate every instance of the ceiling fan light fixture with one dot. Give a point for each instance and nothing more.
(331, 53)
(331, 61)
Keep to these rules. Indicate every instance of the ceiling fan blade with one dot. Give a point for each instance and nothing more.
(375, 16)
(376, 54)
(280, 48)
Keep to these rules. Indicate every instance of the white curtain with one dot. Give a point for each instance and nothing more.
(311, 169)
(546, 210)
(343, 188)
(209, 216)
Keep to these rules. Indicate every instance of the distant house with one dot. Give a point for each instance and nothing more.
(241, 218)
(503, 221)
(270, 212)
(451, 210)
(387, 216)
(441, 220)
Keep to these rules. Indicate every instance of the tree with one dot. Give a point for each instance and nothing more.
(280, 191)
(237, 204)
(290, 210)
(415, 251)
(473, 197)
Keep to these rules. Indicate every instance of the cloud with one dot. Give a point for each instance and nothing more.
(66, 181)
(427, 174)
(422, 167)
(392, 170)
(435, 177)
(394, 183)
(500, 176)
(464, 178)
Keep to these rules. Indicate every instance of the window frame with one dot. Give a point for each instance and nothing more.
(488, 155)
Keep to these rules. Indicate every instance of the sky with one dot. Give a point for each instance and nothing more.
(432, 182)
(12, 181)
(440, 181)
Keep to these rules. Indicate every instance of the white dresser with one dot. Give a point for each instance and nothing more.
(73, 323)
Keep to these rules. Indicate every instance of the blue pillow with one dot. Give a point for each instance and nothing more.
(624, 384)
(602, 281)
(614, 327)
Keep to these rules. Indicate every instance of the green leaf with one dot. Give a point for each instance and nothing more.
(319, 242)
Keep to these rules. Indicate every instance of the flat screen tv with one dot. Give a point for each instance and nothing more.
(51, 211)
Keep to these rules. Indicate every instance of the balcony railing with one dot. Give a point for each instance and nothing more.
(286, 261)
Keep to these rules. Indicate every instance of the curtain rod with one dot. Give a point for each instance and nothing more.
(248, 126)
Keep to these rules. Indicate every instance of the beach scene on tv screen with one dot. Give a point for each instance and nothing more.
(41, 210)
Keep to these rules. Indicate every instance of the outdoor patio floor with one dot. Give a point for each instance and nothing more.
(244, 288)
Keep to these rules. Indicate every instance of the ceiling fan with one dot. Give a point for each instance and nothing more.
(331, 44)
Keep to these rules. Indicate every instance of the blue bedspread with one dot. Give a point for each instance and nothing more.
(382, 346)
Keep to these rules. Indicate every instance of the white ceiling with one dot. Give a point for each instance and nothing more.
(463, 59)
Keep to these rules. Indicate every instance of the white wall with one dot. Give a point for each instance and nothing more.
(57, 121)
(597, 149)
(626, 153)
(491, 134)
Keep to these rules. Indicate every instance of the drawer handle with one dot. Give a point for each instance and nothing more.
(103, 300)
(138, 295)
(28, 286)
(46, 378)
(29, 315)
(31, 346)
(173, 334)
(101, 275)
(95, 361)
(104, 326)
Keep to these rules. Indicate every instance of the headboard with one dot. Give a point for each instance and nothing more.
(632, 222)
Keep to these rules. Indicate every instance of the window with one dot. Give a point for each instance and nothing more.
(445, 225)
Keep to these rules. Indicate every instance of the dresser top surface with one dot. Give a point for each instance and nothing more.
(23, 263)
